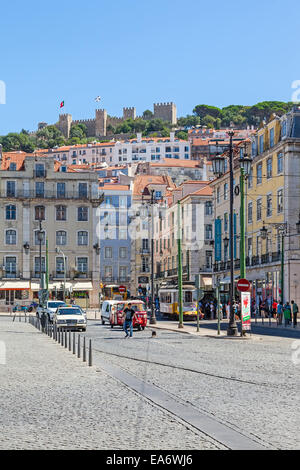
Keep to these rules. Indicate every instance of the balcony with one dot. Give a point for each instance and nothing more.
(276, 256)
(12, 275)
(237, 263)
(31, 194)
(255, 260)
(145, 270)
(265, 258)
(144, 251)
(83, 275)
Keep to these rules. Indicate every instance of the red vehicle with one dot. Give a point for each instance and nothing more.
(116, 316)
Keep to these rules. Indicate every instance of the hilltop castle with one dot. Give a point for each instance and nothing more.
(98, 127)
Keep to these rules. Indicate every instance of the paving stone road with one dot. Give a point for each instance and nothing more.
(263, 402)
(51, 400)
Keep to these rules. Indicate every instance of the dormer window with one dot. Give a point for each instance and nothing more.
(12, 166)
(40, 170)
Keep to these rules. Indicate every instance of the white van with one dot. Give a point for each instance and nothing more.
(106, 309)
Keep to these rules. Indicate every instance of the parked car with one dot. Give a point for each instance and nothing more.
(49, 309)
(70, 317)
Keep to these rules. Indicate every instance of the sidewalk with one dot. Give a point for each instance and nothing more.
(50, 399)
(204, 330)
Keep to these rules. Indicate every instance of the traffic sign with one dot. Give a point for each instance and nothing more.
(122, 289)
(243, 285)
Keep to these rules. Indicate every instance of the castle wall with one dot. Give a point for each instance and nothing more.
(89, 123)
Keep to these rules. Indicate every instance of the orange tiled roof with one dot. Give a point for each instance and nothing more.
(115, 187)
(141, 181)
(206, 191)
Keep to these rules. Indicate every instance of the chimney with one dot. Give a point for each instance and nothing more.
(139, 137)
(172, 136)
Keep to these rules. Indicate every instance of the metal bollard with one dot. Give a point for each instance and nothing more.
(90, 353)
(74, 344)
(70, 340)
(19, 316)
(66, 339)
(95, 314)
(269, 321)
(25, 318)
(262, 320)
(62, 338)
(84, 351)
(78, 347)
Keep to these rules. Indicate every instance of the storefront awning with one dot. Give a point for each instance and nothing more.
(227, 279)
(58, 284)
(14, 285)
(206, 281)
(83, 286)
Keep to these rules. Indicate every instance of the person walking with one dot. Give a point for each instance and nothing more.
(279, 313)
(295, 311)
(287, 314)
(43, 321)
(129, 316)
(228, 310)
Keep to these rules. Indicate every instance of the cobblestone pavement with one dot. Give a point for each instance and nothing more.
(251, 385)
(51, 400)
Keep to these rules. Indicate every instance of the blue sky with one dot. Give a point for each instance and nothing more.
(137, 52)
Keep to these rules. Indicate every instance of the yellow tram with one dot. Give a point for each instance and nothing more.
(168, 299)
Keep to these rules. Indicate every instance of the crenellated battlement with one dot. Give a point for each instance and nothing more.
(164, 104)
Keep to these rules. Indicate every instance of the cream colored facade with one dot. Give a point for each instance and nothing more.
(272, 200)
(67, 204)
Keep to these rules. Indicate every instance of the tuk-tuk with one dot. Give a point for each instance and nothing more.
(116, 316)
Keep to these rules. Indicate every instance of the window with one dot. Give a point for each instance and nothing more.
(108, 273)
(269, 168)
(261, 144)
(272, 137)
(123, 252)
(145, 265)
(10, 237)
(10, 212)
(108, 252)
(37, 266)
(10, 188)
(39, 170)
(61, 237)
(39, 189)
(123, 273)
(283, 129)
(208, 259)
(36, 237)
(279, 162)
(218, 195)
(61, 189)
(208, 232)
(157, 194)
(59, 266)
(225, 191)
(280, 201)
(258, 209)
(259, 173)
(269, 205)
(208, 208)
(82, 214)
(11, 266)
(82, 189)
(82, 265)
(253, 148)
(226, 222)
(250, 178)
(82, 238)
(61, 213)
(250, 213)
(123, 202)
(258, 245)
(12, 166)
(249, 247)
(39, 213)
(122, 234)
(145, 244)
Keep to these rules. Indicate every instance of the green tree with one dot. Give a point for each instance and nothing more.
(203, 110)
(209, 121)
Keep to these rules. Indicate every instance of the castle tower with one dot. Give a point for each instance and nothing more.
(165, 111)
(101, 122)
(129, 113)
(64, 124)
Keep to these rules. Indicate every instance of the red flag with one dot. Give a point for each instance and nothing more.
(62, 104)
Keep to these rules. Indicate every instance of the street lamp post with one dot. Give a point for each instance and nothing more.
(218, 168)
(151, 202)
(58, 250)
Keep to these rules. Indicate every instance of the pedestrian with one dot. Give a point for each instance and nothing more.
(295, 311)
(274, 308)
(287, 314)
(129, 316)
(228, 310)
(279, 313)
(212, 310)
(43, 321)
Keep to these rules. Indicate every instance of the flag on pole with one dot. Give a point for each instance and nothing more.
(98, 98)
(62, 104)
